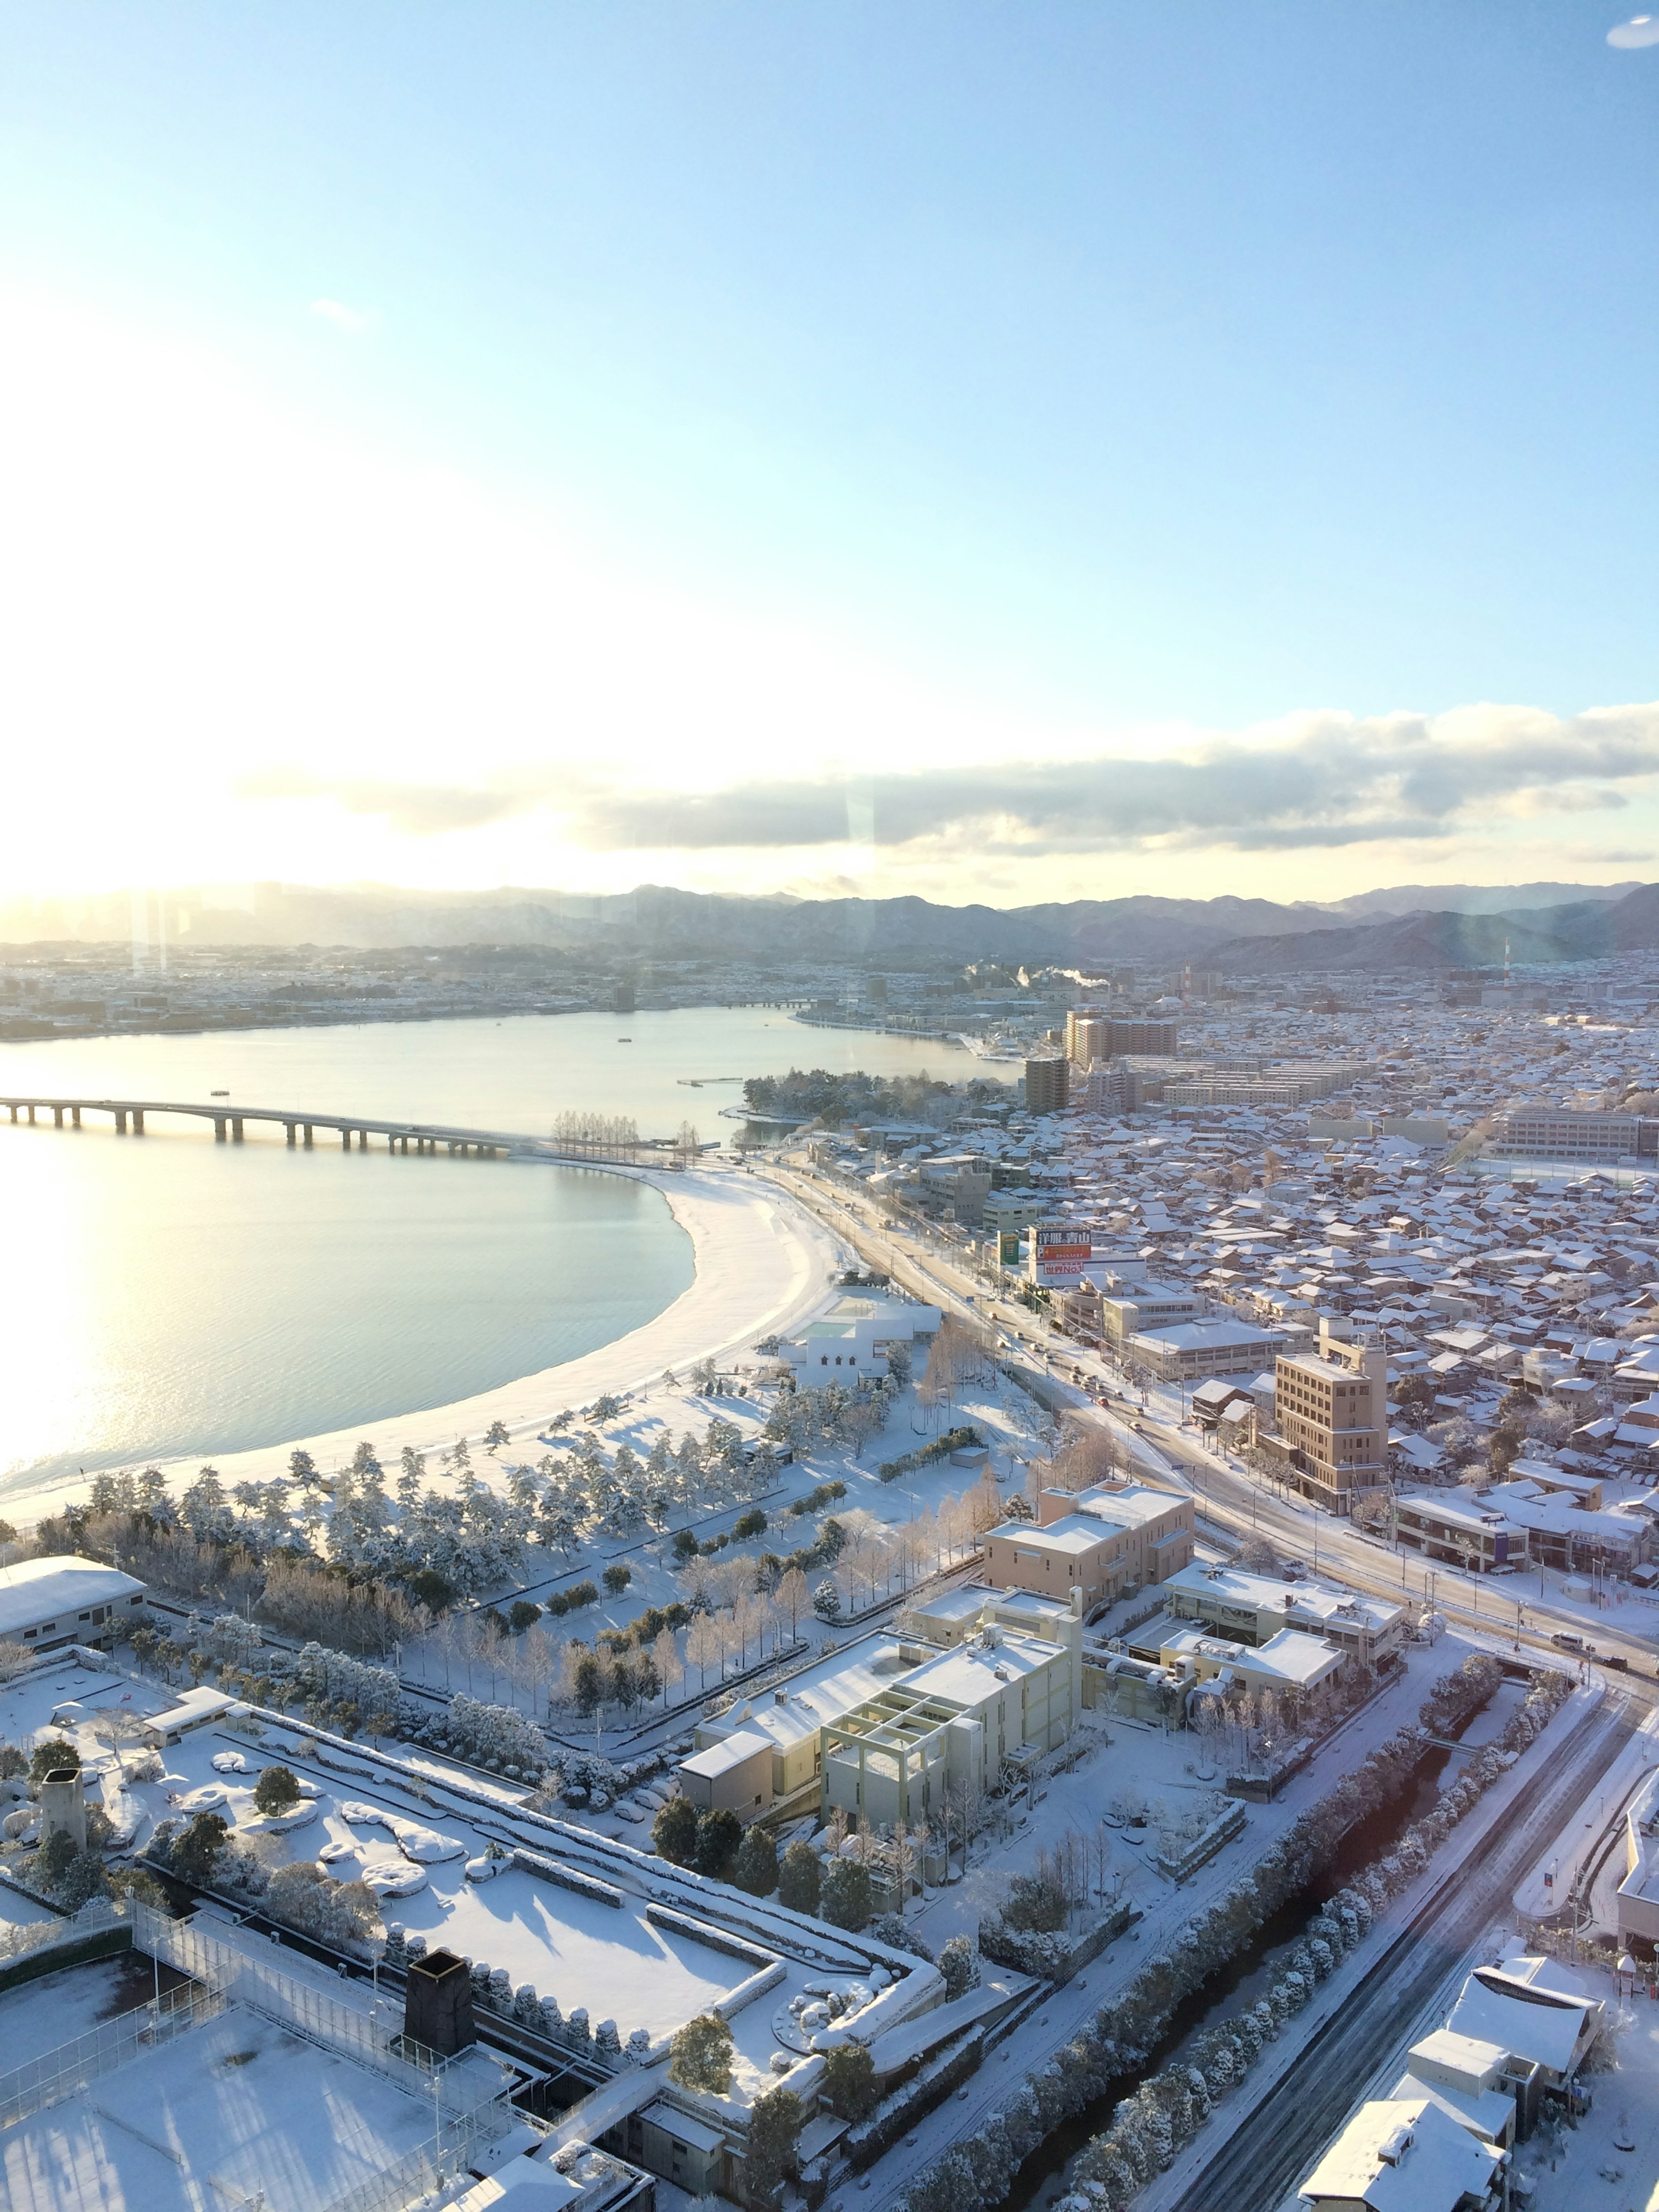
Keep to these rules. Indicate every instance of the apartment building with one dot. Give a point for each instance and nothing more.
(1048, 1086)
(1331, 1407)
(1562, 1133)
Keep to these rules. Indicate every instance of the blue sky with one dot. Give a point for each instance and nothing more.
(887, 388)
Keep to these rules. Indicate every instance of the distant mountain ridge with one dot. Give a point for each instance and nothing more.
(1458, 926)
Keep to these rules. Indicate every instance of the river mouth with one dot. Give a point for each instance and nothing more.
(1041, 2179)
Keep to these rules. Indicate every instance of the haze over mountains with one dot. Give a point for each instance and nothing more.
(1408, 926)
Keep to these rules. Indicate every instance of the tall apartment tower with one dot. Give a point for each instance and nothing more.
(1133, 1035)
(1047, 1084)
(1087, 1036)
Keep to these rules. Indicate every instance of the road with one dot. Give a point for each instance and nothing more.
(1237, 1502)
(1271, 2144)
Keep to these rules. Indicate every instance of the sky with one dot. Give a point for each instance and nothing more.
(988, 452)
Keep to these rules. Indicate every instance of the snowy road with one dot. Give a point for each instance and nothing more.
(1270, 2145)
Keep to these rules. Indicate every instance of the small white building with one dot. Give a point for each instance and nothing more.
(852, 1336)
(47, 1604)
(1405, 2154)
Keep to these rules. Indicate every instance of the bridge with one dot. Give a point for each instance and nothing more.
(299, 1128)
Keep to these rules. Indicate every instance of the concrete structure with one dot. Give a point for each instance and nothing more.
(438, 2003)
(1288, 1661)
(1252, 1608)
(299, 1127)
(1466, 2078)
(64, 1805)
(1191, 1350)
(1145, 1308)
(1561, 1132)
(733, 1776)
(967, 1714)
(45, 1604)
(193, 1711)
(1047, 1088)
(1152, 1531)
(1405, 2154)
(855, 1333)
(1331, 1407)
(1564, 1534)
(1442, 1526)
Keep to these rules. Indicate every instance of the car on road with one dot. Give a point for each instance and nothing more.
(1563, 1640)
(1614, 1659)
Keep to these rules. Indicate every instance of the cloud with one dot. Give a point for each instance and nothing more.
(415, 809)
(353, 320)
(1323, 780)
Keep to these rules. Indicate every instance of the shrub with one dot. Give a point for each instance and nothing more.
(674, 1831)
(959, 1967)
(196, 1850)
(757, 1868)
(1036, 1906)
(826, 1602)
(523, 1614)
(846, 1897)
(55, 1752)
(774, 2125)
(684, 1544)
(616, 1578)
(581, 1594)
(849, 2080)
(751, 1523)
(275, 1792)
(700, 2056)
(800, 1877)
(719, 1836)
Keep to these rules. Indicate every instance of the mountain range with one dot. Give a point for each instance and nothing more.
(1410, 927)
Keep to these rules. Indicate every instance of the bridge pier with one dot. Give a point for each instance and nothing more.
(120, 1119)
(307, 1136)
(218, 1128)
(288, 1127)
(30, 1117)
(345, 1140)
(236, 1128)
(75, 1115)
(57, 1117)
(137, 1120)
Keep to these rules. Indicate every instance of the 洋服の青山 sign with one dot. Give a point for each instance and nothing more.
(1059, 1253)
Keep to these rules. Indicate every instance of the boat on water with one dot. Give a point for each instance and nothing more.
(624, 1040)
(218, 1094)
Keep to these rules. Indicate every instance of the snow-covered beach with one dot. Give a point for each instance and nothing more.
(762, 1262)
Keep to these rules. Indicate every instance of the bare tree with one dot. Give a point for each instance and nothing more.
(115, 1727)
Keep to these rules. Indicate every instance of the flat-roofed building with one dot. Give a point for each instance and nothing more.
(997, 1700)
(1254, 1608)
(1145, 1308)
(45, 1604)
(1152, 1531)
(1442, 1527)
(854, 1335)
(734, 1775)
(1291, 1660)
(1331, 1409)
(1188, 1352)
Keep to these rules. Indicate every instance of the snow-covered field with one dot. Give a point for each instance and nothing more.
(221, 2114)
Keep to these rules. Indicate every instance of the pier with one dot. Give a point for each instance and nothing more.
(300, 1129)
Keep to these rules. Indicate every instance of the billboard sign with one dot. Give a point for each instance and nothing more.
(1058, 1252)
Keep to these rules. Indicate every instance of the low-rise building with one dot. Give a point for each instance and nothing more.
(1405, 2154)
(1252, 1608)
(1187, 1352)
(1144, 1308)
(45, 1604)
(854, 1335)
(1638, 1893)
(1153, 1531)
(1442, 1526)
(1290, 1660)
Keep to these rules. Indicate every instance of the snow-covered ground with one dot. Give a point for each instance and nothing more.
(38, 2016)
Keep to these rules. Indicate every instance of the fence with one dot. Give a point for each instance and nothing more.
(469, 2091)
(75, 2065)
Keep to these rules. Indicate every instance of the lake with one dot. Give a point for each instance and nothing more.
(172, 1294)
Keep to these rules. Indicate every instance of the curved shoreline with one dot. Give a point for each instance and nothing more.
(761, 1263)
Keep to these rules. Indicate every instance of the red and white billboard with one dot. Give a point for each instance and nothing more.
(1059, 1254)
